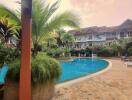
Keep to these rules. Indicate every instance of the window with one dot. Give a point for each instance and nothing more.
(114, 33)
(122, 34)
(130, 33)
(90, 37)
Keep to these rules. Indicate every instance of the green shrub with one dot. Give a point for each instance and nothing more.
(74, 52)
(44, 69)
(7, 55)
(82, 51)
(129, 51)
(67, 52)
(56, 52)
(88, 51)
(99, 50)
(14, 70)
(106, 52)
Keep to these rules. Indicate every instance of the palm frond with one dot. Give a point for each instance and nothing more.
(66, 19)
(46, 21)
(41, 15)
(62, 20)
(11, 13)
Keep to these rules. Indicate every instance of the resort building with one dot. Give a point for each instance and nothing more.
(93, 36)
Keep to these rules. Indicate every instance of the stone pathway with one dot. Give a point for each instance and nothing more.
(115, 84)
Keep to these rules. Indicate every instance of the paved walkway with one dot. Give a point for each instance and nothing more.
(114, 84)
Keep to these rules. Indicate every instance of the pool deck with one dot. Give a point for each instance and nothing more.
(113, 84)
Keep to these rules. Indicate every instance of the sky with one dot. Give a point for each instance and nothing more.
(92, 12)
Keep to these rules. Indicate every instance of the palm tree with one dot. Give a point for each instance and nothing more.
(59, 38)
(68, 40)
(45, 21)
(25, 69)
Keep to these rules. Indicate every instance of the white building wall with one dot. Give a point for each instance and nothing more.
(85, 40)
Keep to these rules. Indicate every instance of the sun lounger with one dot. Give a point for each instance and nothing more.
(126, 59)
(129, 64)
(3, 73)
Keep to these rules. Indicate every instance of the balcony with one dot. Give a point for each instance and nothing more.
(92, 39)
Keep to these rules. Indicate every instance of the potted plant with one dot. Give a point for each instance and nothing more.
(45, 71)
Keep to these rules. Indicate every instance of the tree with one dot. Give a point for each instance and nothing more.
(117, 48)
(25, 69)
(45, 21)
(51, 42)
(128, 49)
(59, 38)
(68, 40)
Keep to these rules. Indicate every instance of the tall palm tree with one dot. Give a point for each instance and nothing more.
(25, 69)
(45, 20)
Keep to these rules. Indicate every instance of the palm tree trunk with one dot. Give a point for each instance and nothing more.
(25, 71)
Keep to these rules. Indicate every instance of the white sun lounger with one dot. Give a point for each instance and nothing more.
(129, 64)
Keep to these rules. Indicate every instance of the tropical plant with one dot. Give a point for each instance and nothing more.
(11, 15)
(105, 52)
(44, 69)
(67, 52)
(128, 49)
(68, 40)
(55, 52)
(40, 61)
(121, 45)
(117, 48)
(7, 30)
(59, 38)
(51, 40)
(7, 55)
(10, 25)
(45, 20)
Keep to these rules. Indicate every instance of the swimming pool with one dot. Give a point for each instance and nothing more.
(81, 67)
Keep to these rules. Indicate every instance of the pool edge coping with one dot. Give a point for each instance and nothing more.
(71, 82)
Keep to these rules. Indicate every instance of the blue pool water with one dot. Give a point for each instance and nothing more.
(81, 67)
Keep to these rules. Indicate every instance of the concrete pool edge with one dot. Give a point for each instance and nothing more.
(71, 82)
